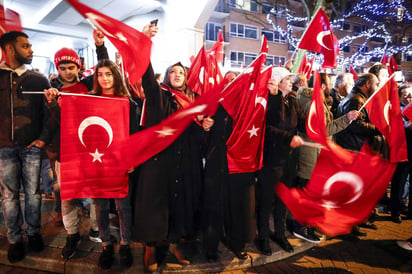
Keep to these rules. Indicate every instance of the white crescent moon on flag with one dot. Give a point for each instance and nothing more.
(95, 120)
(310, 115)
(350, 179)
(202, 71)
(386, 111)
(262, 101)
(320, 36)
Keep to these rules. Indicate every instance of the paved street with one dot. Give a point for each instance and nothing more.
(375, 253)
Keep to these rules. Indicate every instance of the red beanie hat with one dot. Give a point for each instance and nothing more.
(66, 54)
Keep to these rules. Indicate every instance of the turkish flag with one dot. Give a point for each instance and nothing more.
(197, 74)
(305, 67)
(393, 65)
(326, 43)
(133, 46)
(339, 196)
(355, 75)
(316, 123)
(139, 147)
(245, 99)
(88, 71)
(407, 111)
(330, 57)
(204, 74)
(303, 64)
(264, 48)
(390, 63)
(315, 120)
(9, 20)
(91, 127)
(385, 113)
(217, 49)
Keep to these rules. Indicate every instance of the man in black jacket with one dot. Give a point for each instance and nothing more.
(24, 132)
(362, 129)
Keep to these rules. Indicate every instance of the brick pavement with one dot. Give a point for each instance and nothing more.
(375, 253)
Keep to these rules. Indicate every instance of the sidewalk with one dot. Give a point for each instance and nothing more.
(85, 260)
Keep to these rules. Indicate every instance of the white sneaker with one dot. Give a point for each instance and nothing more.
(94, 236)
(407, 245)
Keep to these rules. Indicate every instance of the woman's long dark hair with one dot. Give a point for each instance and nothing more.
(119, 85)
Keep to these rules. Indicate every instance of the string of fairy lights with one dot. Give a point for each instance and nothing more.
(372, 11)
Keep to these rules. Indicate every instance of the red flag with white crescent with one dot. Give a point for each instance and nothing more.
(245, 99)
(325, 41)
(133, 46)
(384, 112)
(91, 130)
(339, 196)
(316, 123)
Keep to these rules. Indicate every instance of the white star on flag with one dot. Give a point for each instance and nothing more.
(253, 131)
(166, 131)
(97, 156)
(122, 37)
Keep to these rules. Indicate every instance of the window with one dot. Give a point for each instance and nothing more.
(212, 31)
(243, 31)
(273, 36)
(238, 58)
(359, 48)
(409, 58)
(345, 26)
(358, 28)
(249, 5)
(346, 49)
(275, 60)
(278, 10)
(266, 7)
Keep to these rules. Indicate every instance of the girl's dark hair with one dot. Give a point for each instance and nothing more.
(119, 85)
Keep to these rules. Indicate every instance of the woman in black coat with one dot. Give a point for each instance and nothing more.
(168, 191)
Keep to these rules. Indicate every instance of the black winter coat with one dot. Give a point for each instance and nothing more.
(362, 129)
(169, 184)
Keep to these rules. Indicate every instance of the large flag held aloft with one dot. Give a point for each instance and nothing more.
(245, 99)
(325, 42)
(133, 46)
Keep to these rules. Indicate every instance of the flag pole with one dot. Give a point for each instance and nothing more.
(35, 92)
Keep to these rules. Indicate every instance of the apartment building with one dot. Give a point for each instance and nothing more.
(243, 22)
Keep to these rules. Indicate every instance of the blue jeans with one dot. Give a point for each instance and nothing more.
(46, 176)
(20, 166)
(124, 210)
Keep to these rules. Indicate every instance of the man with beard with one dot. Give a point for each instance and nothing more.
(362, 129)
(24, 132)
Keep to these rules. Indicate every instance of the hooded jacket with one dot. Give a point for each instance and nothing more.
(23, 117)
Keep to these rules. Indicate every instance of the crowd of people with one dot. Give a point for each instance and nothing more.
(186, 190)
